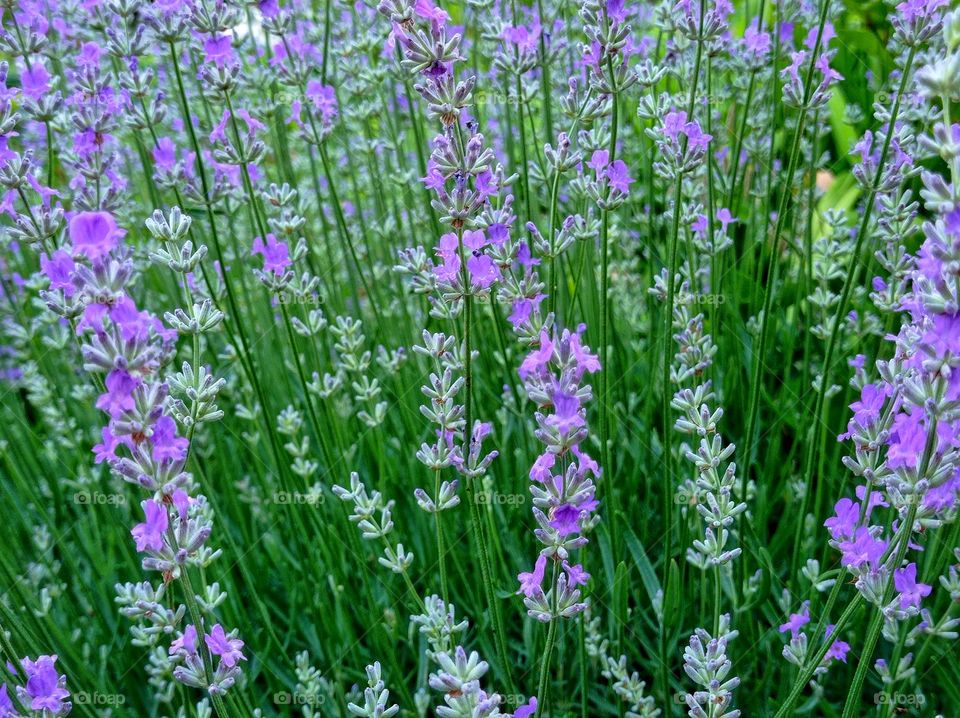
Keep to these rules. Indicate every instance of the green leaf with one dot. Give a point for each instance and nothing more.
(647, 574)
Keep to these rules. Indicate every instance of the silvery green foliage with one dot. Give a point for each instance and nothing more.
(352, 363)
(595, 643)
(44, 577)
(350, 339)
(197, 319)
(444, 410)
(896, 224)
(143, 604)
(193, 396)
(312, 691)
(717, 481)
(41, 393)
(630, 689)
(695, 347)
(175, 250)
(446, 498)
(830, 257)
(375, 697)
(373, 517)
(705, 662)
(439, 625)
(811, 570)
(290, 423)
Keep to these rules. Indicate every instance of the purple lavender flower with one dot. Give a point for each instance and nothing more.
(222, 645)
(797, 620)
(528, 710)
(149, 534)
(564, 502)
(843, 524)
(94, 234)
(6, 705)
(838, 649)
(45, 689)
(276, 254)
(862, 549)
(531, 582)
(911, 592)
(186, 642)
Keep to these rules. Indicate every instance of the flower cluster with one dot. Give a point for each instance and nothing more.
(564, 494)
(462, 172)
(681, 144)
(90, 282)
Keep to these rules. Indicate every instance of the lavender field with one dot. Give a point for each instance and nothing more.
(520, 358)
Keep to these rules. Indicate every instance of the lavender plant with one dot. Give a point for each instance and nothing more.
(430, 259)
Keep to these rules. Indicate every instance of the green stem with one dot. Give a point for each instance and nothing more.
(554, 256)
(543, 682)
(345, 234)
(441, 552)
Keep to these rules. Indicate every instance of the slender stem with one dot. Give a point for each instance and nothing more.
(772, 263)
(441, 552)
(582, 658)
(246, 355)
(326, 40)
(407, 580)
(771, 268)
(345, 235)
(738, 141)
(307, 398)
(553, 299)
(543, 683)
(545, 83)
